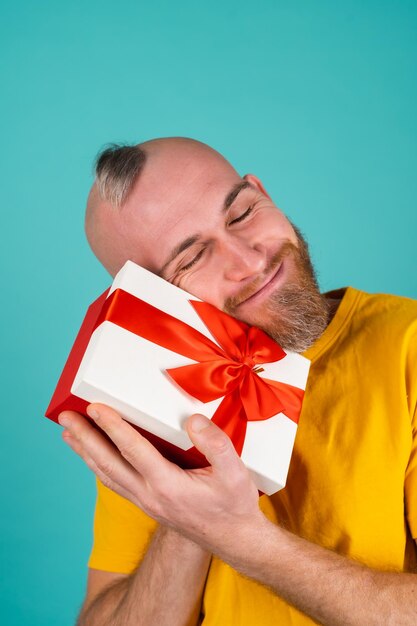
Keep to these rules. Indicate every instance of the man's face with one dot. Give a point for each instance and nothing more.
(222, 239)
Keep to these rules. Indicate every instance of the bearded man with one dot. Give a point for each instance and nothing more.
(176, 547)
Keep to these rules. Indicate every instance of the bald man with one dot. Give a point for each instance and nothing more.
(177, 547)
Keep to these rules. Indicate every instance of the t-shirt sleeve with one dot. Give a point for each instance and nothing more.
(122, 533)
(410, 485)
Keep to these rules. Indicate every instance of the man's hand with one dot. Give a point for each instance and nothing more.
(208, 505)
(217, 507)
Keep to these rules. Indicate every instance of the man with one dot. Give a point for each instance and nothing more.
(336, 546)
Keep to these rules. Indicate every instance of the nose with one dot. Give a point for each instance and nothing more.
(243, 260)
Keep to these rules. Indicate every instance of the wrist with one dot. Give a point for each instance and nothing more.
(248, 541)
(179, 542)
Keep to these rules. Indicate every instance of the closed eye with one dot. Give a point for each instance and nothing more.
(242, 217)
(192, 262)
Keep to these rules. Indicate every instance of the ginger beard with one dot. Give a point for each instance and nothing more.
(296, 314)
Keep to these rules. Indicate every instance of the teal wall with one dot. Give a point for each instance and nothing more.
(319, 99)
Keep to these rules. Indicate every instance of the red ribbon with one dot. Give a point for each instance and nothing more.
(224, 370)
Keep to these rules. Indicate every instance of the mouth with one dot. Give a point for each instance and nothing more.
(267, 287)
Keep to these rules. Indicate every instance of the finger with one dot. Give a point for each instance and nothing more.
(91, 444)
(216, 446)
(137, 450)
(107, 482)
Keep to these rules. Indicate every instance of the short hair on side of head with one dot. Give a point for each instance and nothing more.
(117, 167)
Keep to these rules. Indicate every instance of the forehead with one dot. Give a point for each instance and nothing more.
(173, 201)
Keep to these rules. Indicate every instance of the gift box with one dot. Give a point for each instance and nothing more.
(157, 354)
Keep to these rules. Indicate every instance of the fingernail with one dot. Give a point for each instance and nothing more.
(63, 420)
(199, 423)
(93, 413)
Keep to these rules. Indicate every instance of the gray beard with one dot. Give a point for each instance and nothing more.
(297, 317)
(298, 313)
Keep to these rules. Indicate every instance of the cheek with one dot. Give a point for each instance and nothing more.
(205, 284)
(276, 225)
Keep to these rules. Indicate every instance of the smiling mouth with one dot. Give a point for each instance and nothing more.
(265, 287)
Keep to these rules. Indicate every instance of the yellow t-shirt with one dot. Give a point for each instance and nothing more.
(352, 484)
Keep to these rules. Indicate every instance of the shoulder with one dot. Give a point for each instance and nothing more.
(381, 338)
(376, 328)
(384, 328)
(393, 316)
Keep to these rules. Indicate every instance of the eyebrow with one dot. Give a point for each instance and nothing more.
(232, 195)
(190, 241)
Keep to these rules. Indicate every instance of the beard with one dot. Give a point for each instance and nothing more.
(297, 313)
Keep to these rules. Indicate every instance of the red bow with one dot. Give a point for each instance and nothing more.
(225, 370)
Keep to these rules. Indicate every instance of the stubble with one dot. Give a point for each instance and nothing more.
(296, 314)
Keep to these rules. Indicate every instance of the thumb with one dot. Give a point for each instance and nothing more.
(211, 441)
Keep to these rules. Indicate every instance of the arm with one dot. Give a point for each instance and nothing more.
(330, 588)
(217, 507)
(166, 589)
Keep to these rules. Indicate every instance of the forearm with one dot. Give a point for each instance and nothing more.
(165, 590)
(330, 588)
(217, 507)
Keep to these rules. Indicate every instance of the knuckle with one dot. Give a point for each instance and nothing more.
(128, 451)
(220, 444)
(75, 433)
(80, 435)
(161, 494)
(106, 467)
(153, 507)
(238, 481)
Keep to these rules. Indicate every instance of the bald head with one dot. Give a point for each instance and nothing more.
(157, 176)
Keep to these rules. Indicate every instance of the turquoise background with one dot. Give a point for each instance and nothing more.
(319, 99)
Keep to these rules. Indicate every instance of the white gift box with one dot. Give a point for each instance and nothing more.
(128, 372)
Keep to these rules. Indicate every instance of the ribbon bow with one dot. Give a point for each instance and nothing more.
(226, 370)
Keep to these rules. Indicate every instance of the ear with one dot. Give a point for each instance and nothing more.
(255, 182)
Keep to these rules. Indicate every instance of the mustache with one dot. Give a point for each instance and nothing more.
(249, 290)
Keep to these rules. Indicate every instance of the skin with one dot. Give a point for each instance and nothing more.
(215, 509)
(182, 187)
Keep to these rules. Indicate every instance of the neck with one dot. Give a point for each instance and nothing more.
(333, 306)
